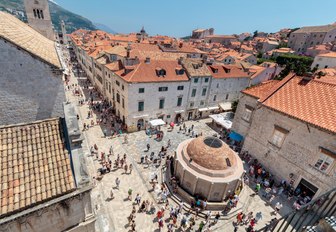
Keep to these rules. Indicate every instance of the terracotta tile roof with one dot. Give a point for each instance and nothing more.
(226, 71)
(196, 68)
(330, 54)
(310, 101)
(147, 72)
(25, 37)
(34, 165)
(329, 75)
(260, 90)
(314, 29)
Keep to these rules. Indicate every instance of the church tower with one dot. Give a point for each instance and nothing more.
(38, 16)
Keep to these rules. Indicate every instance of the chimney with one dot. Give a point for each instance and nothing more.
(147, 61)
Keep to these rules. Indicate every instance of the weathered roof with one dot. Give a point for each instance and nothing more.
(311, 101)
(34, 165)
(147, 72)
(25, 37)
(258, 91)
(227, 71)
(312, 29)
(211, 153)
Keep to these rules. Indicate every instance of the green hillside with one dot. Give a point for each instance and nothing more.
(58, 13)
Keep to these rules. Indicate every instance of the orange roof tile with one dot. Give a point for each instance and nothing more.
(147, 72)
(260, 90)
(34, 165)
(310, 101)
(227, 71)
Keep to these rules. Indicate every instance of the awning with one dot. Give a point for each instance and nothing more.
(141, 116)
(226, 106)
(209, 108)
(157, 122)
(235, 136)
(222, 120)
(179, 111)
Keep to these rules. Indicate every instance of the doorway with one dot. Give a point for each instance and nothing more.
(306, 188)
(140, 124)
(177, 118)
(190, 114)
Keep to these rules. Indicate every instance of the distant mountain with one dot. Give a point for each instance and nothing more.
(103, 27)
(58, 13)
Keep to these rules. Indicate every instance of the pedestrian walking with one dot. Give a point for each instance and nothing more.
(137, 199)
(278, 206)
(129, 194)
(126, 139)
(148, 146)
(258, 217)
(117, 182)
(168, 145)
(217, 216)
(111, 194)
(130, 168)
(125, 168)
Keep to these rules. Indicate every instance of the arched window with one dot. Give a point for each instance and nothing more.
(35, 13)
(38, 14)
(41, 12)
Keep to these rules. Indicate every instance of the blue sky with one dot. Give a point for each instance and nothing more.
(179, 17)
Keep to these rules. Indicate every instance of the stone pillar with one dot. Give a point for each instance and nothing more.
(195, 186)
(210, 190)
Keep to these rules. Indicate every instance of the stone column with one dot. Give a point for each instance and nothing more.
(195, 186)
(210, 190)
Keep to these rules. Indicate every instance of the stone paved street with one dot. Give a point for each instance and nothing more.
(112, 214)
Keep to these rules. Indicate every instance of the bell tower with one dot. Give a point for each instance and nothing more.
(38, 16)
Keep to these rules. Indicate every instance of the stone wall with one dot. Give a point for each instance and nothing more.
(298, 153)
(240, 125)
(74, 214)
(29, 90)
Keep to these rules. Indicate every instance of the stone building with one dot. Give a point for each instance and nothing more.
(306, 37)
(222, 39)
(147, 81)
(290, 127)
(31, 86)
(202, 33)
(206, 167)
(38, 16)
(327, 60)
(44, 181)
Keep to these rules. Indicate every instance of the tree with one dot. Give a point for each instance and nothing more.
(234, 106)
(300, 65)
(255, 33)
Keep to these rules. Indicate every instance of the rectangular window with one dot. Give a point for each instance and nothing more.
(122, 87)
(163, 89)
(141, 90)
(227, 96)
(247, 113)
(278, 136)
(195, 80)
(217, 85)
(204, 91)
(179, 101)
(168, 116)
(118, 83)
(161, 105)
(180, 87)
(141, 106)
(118, 98)
(206, 80)
(191, 104)
(123, 103)
(214, 98)
(325, 160)
(193, 93)
(202, 103)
